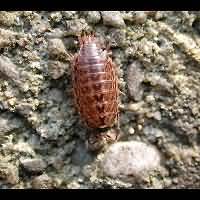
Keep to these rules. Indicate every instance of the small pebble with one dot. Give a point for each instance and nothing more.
(56, 49)
(81, 156)
(130, 159)
(113, 18)
(9, 173)
(93, 17)
(159, 15)
(34, 165)
(7, 125)
(7, 38)
(7, 18)
(139, 127)
(56, 69)
(140, 17)
(131, 130)
(69, 14)
(42, 182)
(75, 26)
(9, 69)
(56, 16)
(117, 38)
(135, 77)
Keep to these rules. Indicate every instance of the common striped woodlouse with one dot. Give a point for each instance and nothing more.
(95, 84)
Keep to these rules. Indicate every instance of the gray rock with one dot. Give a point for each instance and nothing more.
(55, 122)
(135, 77)
(130, 159)
(157, 80)
(41, 26)
(69, 14)
(136, 17)
(56, 49)
(55, 33)
(93, 17)
(117, 38)
(74, 27)
(140, 17)
(159, 15)
(56, 16)
(8, 124)
(81, 156)
(57, 161)
(9, 173)
(42, 182)
(7, 38)
(22, 148)
(113, 18)
(153, 133)
(56, 95)
(9, 69)
(34, 165)
(56, 69)
(7, 18)
(24, 108)
(71, 43)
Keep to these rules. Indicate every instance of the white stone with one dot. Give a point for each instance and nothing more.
(125, 159)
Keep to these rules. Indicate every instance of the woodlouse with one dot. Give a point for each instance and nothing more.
(95, 84)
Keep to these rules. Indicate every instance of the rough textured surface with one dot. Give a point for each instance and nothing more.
(34, 166)
(157, 54)
(42, 182)
(8, 173)
(130, 159)
(135, 77)
(113, 18)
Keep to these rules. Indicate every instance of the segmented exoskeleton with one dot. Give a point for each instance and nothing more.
(95, 84)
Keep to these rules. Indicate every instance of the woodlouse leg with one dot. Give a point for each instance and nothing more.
(74, 60)
(80, 39)
(73, 65)
(70, 56)
(117, 122)
(122, 93)
(118, 130)
(108, 47)
(109, 61)
(104, 54)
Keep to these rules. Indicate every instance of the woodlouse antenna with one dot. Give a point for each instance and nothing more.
(85, 37)
(92, 33)
(108, 46)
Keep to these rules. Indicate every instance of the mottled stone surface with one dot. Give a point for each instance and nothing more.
(56, 49)
(8, 173)
(113, 18)
(93, 17)
(57, 69)
(135, 76)
(157, 57)
(42, 182)
(126, 159)
(34, 165)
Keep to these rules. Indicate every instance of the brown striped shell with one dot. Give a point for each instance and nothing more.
(95, 84)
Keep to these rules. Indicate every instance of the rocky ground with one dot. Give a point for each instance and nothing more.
(42, 140)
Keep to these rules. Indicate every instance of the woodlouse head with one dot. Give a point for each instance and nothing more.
(86, 38)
